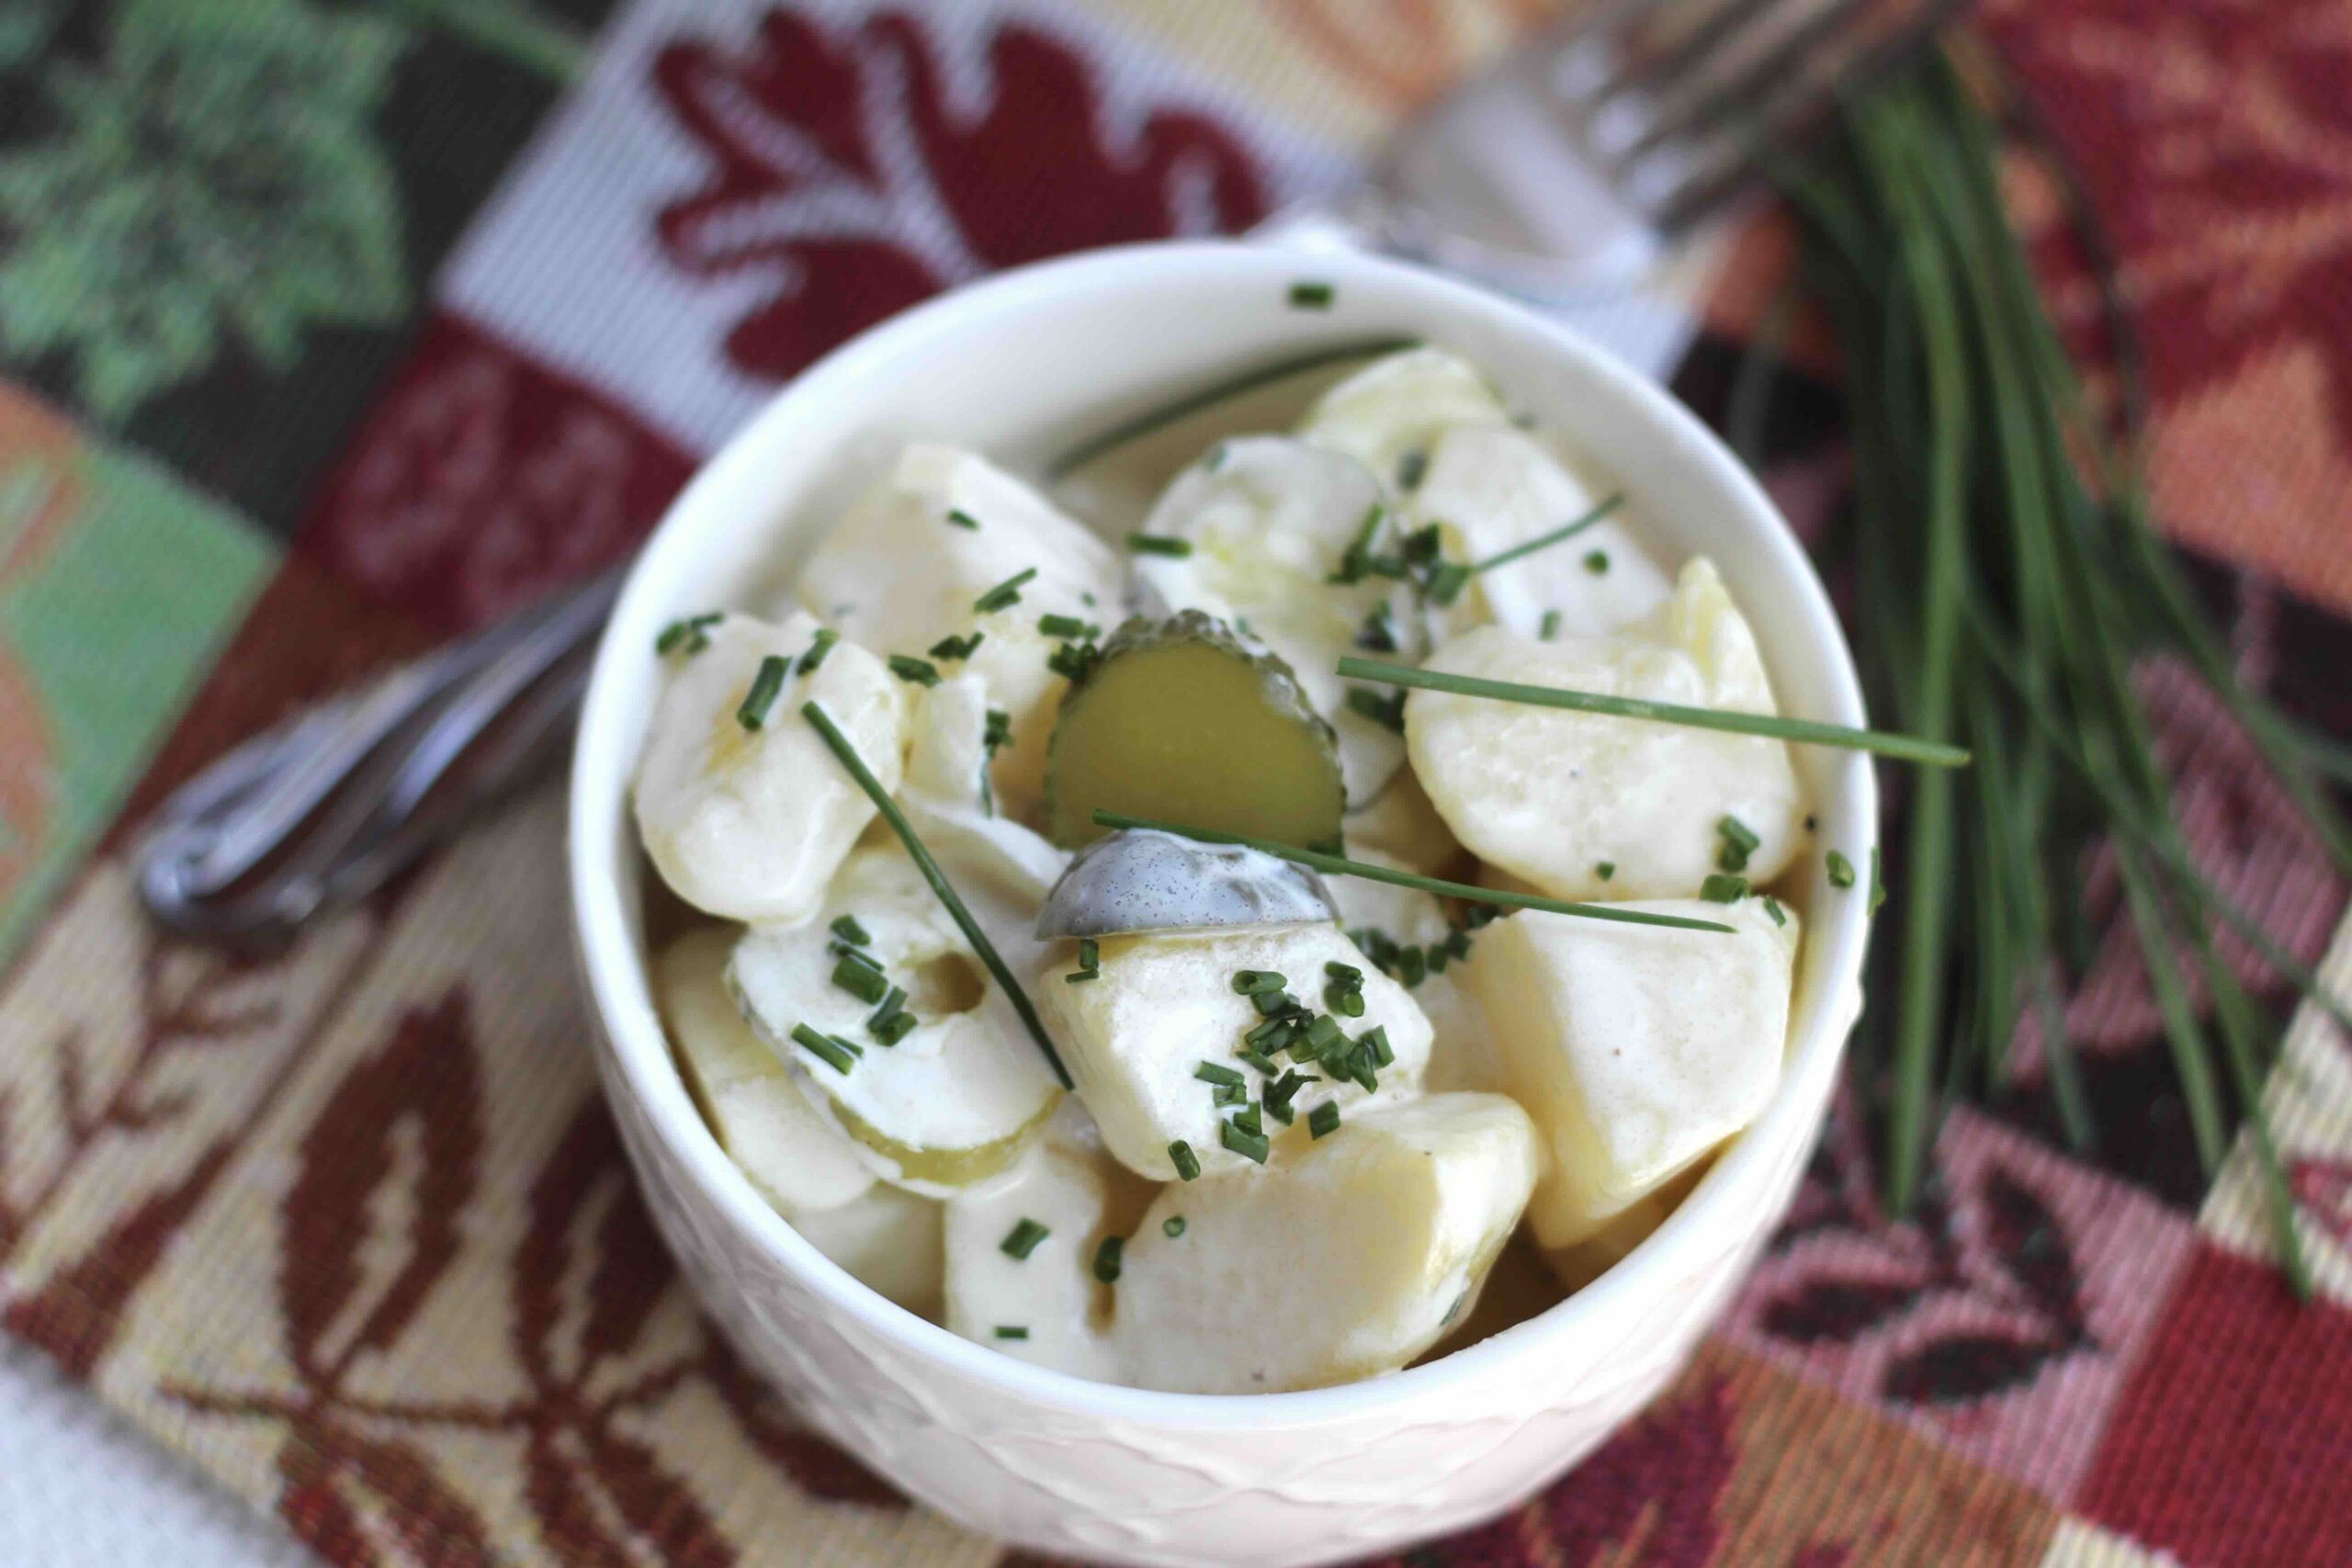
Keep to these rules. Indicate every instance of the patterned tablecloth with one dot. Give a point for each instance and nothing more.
(329, 327)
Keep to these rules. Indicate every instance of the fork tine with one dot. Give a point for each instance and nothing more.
(1781, 118)
(1642, 62)
(1737, 80)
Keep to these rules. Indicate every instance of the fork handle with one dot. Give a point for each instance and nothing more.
(330, 804)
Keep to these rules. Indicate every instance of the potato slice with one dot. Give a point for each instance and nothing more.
(796, 1159)
(1491, 488)
(951, 1102)
(948, 797)
(1399, 822)
(1553, 796)
(1182, 720)
(1051, 1295)
(1390, 415)
(1579, 1265)
(1378, 916)
(1164, 1004)
(750, 824)
(1348, 1257)
(897, 574)
(1636, 1049)
(1269, 520)
(887, 1240)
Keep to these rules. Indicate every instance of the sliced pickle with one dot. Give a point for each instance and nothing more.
(1140, 880)
(951, 1100)
(1184, 721)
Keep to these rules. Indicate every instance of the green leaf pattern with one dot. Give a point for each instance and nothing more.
(215, 177)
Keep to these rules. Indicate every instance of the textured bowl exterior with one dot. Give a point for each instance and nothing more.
(1076, 1485)
(1085, 1470)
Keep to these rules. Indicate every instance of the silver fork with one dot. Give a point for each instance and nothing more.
(1567, 171)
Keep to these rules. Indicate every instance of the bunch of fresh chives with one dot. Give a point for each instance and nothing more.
(2009, 582)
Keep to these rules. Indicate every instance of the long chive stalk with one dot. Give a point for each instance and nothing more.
(1903, 748)
(1339, 865)
(822, 722)
(2010, 581)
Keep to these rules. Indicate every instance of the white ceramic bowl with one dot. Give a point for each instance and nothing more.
(1020, 365)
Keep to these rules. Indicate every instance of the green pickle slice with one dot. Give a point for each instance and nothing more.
(1183, 721)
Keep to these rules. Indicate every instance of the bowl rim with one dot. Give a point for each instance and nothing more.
(619, 988)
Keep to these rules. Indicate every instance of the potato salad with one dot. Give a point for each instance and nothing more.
(1164, 953)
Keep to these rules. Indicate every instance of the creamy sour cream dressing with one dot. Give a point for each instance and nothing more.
(1306, 1112)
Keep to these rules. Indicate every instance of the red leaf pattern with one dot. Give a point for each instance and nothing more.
(843, 169)
(422, 1083)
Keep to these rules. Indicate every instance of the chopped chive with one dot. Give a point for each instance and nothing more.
(818, 646)
(1249, 1121)
(1773, 907)
(1023, 1239)
(1090, 953)
(997, 732)
(1410, 470)
(1272, 1029)
(1256, 982)
(893, 1028)
(1412, 966)
(1551, 626)
(1173, 1226)
(1346, 1000)
(1375, 1040)
(1251, 1146)
(963, 519)
(847, 928)
(1740, 843)
(1903, 748)
(1388, 712)
(1276, 1096)
(1378, 632)
(861, 982)
(765, 686)
(894, 1003)
(1324, 1120)
(1067, 627)
(1447, 582)
(1722, 889)
(1274, 1004)
(1258, 1062)
(1355, 562)
(1324, 1035)
(814, 712)
(1074, 661)
(1011, 1331)
(1005, 594)
(1158, 544)
(1081, 976)
(824, 1048)
(1597, 562)
(1211, 1072)
(918, 671)
(1311, 296)
(1425, 544)
(857, 955)
(1187, 1163)
(1348, 972)
(957, 648)
(1106, 1258)
(1841, 870)
(688, 635)
(1544, 541)
(1224, 1094)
